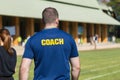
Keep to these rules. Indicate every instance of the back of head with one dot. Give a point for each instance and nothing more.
(6, 39)
(49, 15)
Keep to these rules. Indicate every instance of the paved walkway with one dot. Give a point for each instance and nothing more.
(98, 46)
(88, 46)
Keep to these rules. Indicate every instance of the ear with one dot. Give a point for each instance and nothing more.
(57, 21)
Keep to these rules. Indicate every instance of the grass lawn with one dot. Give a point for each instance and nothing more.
(95, 65)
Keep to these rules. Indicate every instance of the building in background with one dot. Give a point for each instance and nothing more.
(80, 18)
(109, 11)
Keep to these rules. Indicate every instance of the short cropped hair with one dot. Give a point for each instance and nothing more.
(49, 15)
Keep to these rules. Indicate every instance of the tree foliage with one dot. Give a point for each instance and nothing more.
(116, 6)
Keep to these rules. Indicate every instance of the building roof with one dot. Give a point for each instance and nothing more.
(87, 3)
(34, 8)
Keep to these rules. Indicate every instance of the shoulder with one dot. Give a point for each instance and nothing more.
(14, 51)
(34, 39)
(36, 35)
(65, 34)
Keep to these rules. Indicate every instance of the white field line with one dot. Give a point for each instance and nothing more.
(88, 66)
(94, 77)
(98, 69)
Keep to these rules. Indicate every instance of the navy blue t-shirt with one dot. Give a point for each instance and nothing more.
(51, 50)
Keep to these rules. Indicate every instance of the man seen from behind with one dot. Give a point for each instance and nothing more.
(52, 50)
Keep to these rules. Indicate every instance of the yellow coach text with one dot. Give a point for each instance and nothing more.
(50, 42)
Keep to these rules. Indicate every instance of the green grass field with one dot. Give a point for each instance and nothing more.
(95, 65)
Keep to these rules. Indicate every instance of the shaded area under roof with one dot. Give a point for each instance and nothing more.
(34, 8)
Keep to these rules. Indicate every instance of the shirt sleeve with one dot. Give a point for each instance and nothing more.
(28, 53)
(74, 51)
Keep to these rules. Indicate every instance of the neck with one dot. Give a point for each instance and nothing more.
(49, 26)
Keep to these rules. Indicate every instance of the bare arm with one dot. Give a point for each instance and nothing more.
(24, 69)
(75, 68)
